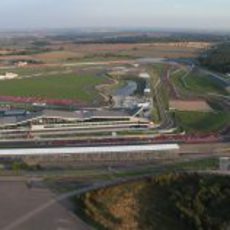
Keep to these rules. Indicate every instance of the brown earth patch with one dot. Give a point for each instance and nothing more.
(55, 55)
(191, 105)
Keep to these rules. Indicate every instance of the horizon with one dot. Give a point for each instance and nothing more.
(73, 14)
(114, 30)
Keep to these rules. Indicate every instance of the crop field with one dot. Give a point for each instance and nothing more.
(60, 86)
(199, 122)
(127, 51)
(64, 52)
(54, 56)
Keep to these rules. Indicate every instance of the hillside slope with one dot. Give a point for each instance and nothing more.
(172, 201)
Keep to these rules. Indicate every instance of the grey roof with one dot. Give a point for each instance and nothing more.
(76, 115)
(8, 120)
(62, 114)
(52, 113)
(82, 114)
(15, 112)
(110, 113)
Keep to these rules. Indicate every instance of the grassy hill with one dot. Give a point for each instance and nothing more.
(172, 201)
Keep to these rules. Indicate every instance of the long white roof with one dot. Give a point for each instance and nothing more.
(89, 150)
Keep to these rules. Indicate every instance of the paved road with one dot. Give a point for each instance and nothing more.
(50, 215)
(24, 208)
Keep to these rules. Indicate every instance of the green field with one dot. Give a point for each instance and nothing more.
(65, 86)
(203, 84)
(33, 70)
(202, 122)
(197, 84)
(177, 81)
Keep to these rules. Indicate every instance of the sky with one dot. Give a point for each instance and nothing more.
(168, 14)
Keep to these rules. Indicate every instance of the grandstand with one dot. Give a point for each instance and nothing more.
(81, 119)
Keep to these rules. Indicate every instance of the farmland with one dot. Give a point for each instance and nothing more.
(55, 56)
(71, 52)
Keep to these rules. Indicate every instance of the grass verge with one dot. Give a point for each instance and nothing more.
(200, 122)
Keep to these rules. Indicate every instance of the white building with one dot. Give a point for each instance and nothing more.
(144, 75)
(22, 63)
(8, 76)
(147, 90)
